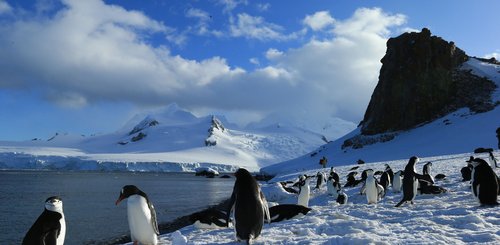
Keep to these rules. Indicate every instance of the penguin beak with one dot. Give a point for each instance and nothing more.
(120, 198)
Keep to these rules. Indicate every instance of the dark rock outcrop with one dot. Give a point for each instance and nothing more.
(420, 80)
(216, 125)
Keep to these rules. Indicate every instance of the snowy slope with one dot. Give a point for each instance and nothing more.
(454, 217)
(169, 140)
(458, 132)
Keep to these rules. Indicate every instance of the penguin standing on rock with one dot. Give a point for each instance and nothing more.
(410, 181)
(141, 215)
(249, 205)
(484, 182)
(50, 227)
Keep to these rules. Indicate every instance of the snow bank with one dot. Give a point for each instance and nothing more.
(454, 217)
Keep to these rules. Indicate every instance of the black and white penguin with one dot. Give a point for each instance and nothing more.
(287, 211)
(493, 160)
(467, 170)
(332, 187)
(341, 197)
(484, 182)
(50, 227)
(385, 180)
(141, 215)
(304, 191)
(410, 181)
(288, 189)
(397, 181)
(373, 190)
(389, 171)
(320, 178)
(211, 218)
(334, 175)
(351, 179)
(249, 206)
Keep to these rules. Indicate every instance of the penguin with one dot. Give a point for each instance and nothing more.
(352, 181)
(341, 197)
(397, 181)
(410, 181)
(249, 206)
(493, 160)
(287, 211)
(440, 177)
(467, 170)
(389, 171)
(319, 180)
(288, 189)
(332, 187)
(304, 191)
(373, 190)
(141, 215)
(334, 175)
(484, 182)
(209, 219)
(385, 180)
(50, 227)
(427, 170)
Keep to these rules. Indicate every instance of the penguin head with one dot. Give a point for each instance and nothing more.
(127, 191)
(387, 167)
(414, 159)
(242, 173)
(53, 203)
(478, 161)
(369, 172)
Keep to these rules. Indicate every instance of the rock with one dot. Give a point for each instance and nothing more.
(420, 80)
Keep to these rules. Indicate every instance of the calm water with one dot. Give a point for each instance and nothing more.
(89, 200)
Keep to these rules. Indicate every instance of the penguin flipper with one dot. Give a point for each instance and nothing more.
(154, 221)
(265, 206)
(51, 237)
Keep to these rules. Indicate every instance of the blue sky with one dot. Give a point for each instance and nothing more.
(86, 67)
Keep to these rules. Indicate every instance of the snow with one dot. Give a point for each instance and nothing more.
(174, 142)
(454, 217)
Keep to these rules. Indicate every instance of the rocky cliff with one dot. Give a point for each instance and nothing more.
(420, 80)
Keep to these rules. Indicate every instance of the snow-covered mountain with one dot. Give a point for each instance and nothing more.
(458, 132)
(169, 140)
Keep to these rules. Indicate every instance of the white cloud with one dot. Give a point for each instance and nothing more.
(230, 5)
(4, 7)
(263, 7)
(273, 54)
(254, 61)
(319, 20)
(255, 27)
(91, 52)
(495, 55)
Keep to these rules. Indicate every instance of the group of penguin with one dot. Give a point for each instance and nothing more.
(250, 208)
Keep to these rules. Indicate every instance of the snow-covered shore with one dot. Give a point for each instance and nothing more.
(454, 217)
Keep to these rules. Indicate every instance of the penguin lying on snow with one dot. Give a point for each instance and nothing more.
(249, 205)
(209, 219)
(50, 227)
(341, 197)
(287, 211)
(426, 187)
(141, 215)
(410, 181)
(485, 186)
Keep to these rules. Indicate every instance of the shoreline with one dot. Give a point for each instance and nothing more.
(164, 228)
